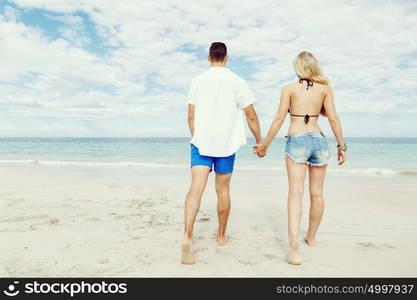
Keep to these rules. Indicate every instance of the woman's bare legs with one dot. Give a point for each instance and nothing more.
(296, 176)
(316, 180)
(199, 176)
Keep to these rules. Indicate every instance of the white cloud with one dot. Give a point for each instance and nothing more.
(10, 13)
(74, 29)
(367, 49)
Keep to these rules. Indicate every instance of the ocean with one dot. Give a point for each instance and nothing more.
(373, 156)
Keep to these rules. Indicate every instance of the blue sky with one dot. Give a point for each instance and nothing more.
(106, 68)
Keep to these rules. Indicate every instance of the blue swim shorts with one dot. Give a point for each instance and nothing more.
(309, 148)
(222, 165)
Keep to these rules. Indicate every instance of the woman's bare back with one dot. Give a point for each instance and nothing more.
(305, 99)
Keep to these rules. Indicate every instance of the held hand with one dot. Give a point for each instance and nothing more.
(341, 157)
(255, 149)
(260, 150)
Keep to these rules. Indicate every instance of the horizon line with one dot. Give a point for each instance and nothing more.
(164, 137)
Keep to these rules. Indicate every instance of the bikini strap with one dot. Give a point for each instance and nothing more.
(309, 82)
(306, 117)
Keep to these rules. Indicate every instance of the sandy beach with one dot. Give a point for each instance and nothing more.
(128, 222)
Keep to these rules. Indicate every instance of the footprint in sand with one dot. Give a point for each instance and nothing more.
(115, 185)
(246, 262)
(367, 245)
(159, 220)
(31, 222)
(103, 261)
(200, 248)
(389, 246)
(119, 217)
(14, 202)
(24, 218)
(144, 259)
(270, 256)
(203, 218)
(6, 194)
(53, 221)
(140, 203)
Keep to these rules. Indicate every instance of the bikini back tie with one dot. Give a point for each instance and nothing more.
(309, 82)
(306, 117)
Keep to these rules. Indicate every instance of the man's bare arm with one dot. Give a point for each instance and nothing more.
(253, 122)
(191, 109)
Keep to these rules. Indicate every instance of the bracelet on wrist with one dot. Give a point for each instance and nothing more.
(342, 147)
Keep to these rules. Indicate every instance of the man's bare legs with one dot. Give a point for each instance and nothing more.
(296, 175)
(316, 178)
(223, 205)
(199, 175)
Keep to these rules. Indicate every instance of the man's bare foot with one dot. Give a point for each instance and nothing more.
(187, 253)
(293, 255)
(310, 242)
(222, 240)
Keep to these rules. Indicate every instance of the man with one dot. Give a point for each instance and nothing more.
(216, 102)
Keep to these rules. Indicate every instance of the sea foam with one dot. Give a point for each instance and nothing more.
(130, 164)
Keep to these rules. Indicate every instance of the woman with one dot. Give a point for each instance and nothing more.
(306, 146)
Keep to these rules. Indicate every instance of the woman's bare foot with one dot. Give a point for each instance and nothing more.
(293, 255)
(310, 242)
(187, 253)
(221, 240)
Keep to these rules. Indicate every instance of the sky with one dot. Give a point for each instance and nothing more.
(86, 68)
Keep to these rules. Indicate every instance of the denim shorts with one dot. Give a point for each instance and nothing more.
(309, 148)
(223, 165)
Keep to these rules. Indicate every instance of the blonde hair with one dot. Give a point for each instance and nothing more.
(307, 67)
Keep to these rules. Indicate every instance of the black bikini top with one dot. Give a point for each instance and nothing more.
(306, 116)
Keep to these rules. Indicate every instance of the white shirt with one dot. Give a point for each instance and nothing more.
(219, 96)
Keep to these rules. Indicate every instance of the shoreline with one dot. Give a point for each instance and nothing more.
(120, 166)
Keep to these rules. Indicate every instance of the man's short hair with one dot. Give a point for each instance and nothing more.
(218, 51)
